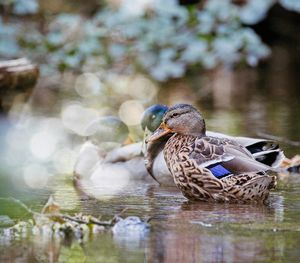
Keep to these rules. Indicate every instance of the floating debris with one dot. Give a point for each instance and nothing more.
(130, 232)
(131, 224)
(51, 223)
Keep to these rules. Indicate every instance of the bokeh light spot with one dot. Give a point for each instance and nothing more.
(77, 118)
(63, 160)
(36, 175)
(142, 88)
(88, 84)
(43, 144)
(130, 112)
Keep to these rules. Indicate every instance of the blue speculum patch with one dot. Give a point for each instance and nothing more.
(219, 171)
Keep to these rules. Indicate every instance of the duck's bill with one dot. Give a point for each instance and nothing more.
(160, 132)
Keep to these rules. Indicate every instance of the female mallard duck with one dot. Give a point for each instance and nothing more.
(264, 151)
(209, 168)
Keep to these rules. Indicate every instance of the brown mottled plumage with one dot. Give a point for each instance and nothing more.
(191, 157)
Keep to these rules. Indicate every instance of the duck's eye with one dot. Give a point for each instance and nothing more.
(175, 114)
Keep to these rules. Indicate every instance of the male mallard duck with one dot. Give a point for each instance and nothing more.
(209, 168)
(106, 157)
(264, 151)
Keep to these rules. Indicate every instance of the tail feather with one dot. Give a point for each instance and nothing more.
(272, 158)
(263, 150)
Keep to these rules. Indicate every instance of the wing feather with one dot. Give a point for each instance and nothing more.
(211, 152)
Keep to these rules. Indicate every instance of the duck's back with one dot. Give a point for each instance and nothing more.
(221, 156)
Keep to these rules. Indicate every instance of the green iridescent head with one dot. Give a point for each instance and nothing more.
(152, 117)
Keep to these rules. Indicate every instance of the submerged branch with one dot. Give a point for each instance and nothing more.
(84, 220)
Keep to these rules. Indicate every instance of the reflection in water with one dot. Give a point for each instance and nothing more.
(181, 231)
(199, 232)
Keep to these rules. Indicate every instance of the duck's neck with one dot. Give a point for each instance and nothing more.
(197, 134)
(194, 132)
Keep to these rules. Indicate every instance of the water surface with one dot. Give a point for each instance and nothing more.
(256, 102)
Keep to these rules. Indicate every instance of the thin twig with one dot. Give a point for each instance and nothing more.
(82, 221)
(70, 218)
(278, 138)
(29, 210)
(148, 219)
(101, 223)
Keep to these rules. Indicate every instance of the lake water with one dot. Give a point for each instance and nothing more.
(180, 231)
(259, 102)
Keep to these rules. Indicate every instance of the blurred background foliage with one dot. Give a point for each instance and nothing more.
(162, 39)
